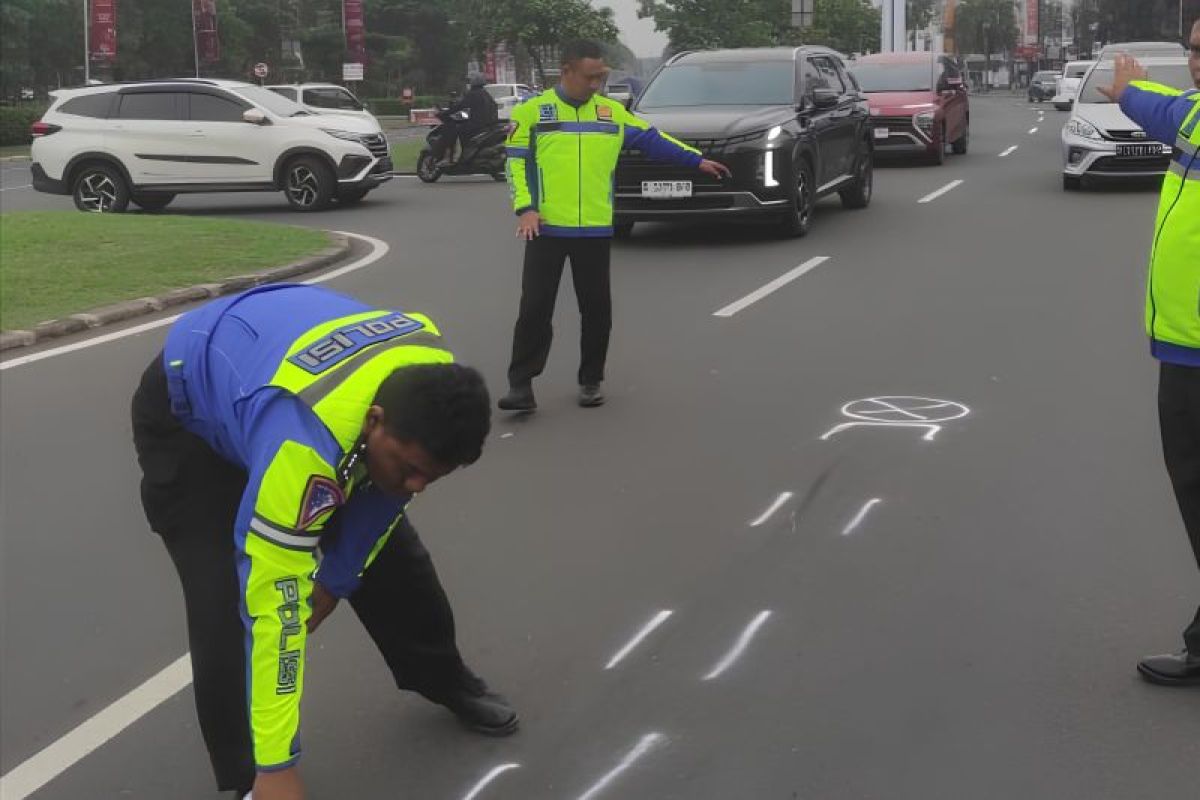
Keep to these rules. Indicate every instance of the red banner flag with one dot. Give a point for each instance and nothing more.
(104, 31)
(204, 16)
(356, 31)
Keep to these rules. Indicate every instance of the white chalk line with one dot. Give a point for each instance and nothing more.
(775, 506)
(496, 772)
(646, 630)
(743, 641)
(861, 515)
(647, 744)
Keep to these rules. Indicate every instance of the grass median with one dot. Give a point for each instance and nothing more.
(57, 263)
(405, 152)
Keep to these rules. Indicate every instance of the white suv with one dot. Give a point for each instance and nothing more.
(325, 98)
(147, 142)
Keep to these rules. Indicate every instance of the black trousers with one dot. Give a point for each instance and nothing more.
(191, 497)
(1179, 421)
(544, 260)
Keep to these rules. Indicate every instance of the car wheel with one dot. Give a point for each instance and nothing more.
(1072, 183)
(309, 184)
(151, 203)
(961, 144)
(939, 155)
(101, 189)
(349, 197)
(623, 230)
(858, 195)
(804, 200)
(499, 177)
(427, 167)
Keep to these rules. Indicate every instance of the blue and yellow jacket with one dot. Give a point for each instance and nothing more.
(278, 380)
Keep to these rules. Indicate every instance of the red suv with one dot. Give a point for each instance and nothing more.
(918, 104)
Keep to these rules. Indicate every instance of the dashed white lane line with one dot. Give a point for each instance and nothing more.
(861, 515)
(379, 249)
(773, 286)
(34, 773)
(775, 506)
(949, 187)
(1033, 130)
(646, 630)
(739, 647)
(647, 744)
(1009, 151)
(487, 779)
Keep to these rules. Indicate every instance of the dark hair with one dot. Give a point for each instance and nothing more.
(580, 49)
(445, 408)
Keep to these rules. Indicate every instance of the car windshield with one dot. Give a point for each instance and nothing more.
(275, 103)
(332, 98)
(1175, 75)
(726, 83)
(1077, 72)
(884, 77)
(498, 92)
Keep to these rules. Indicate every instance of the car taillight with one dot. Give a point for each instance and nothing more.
(44, 129)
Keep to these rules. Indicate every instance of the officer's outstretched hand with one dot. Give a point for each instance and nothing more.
(323, 604)
(282, 785)
(529, 226)
(1126, 70)
(715, 168)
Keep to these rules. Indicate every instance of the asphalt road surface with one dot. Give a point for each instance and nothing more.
(707, 589)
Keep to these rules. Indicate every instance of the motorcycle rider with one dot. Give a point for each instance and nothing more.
(481, 111)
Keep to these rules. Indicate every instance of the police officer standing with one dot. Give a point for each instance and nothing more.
(562, 153)
(1172, 317)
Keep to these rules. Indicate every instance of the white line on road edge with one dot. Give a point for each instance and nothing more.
(1009, 151)
(739, 646)
(1034, 130)
(10, 188)
(648, 742)
(491, 776)
(31, 775)
(861, 515)
(766, 515)
(775, 285)
(949, 187)
(646, 630)
(379, 249)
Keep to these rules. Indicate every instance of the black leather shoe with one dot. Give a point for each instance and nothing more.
(591, 395)
(481, 709)
(1172, 669)
(519, 398)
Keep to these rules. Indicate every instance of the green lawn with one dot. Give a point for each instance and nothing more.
(55, 263)
(14, 150)
(405, 152)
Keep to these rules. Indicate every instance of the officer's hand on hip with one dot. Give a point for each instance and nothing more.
(715, 168)
(282, 785)
(323, 604)
(529, 226)
(1126, 70)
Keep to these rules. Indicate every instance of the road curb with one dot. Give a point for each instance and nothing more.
(129, 309)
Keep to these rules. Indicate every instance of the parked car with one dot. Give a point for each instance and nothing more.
(325, 98)
(919, 104)
(621, 92)
(1100, 143)
(508, 96)
(789, 123)
(147, 142)
(1043, 86)
(1140, 49)
(1073, 75)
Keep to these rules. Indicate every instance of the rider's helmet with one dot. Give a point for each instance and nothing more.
(477, 81)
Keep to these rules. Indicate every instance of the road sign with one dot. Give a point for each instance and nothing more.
(260, 70)
(352, 72)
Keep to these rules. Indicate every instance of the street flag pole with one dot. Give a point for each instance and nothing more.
(87, 55)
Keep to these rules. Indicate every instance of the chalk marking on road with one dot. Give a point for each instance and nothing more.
(1009, 151)
(43, 767)
(10, 188)
(739, 646)
(861, 515)
(773, 286)
(647, 629)
(949, 187)
(507, 435)
(648, 743)
(378, 251)
(487, 779)
(1034, 129)
(899, 411)
(766, 515)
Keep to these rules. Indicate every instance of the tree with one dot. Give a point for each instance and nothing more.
(848, 26)
(985, 26)
(918, 15)
(708, 24)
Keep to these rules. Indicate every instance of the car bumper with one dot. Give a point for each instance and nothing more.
(632, 207)
(1098, 159)
(903, 138)
(363, 172)
(44, 183)
(745, 194)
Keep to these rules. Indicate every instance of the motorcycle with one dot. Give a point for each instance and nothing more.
(482, 155)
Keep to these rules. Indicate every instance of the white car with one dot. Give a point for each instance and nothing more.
(147, 142)
(325, 98)
(508, 96)
(1068, 86)
(1100, 143)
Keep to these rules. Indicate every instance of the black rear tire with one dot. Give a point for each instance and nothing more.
(939, 158)
(858, 194)
(623, 230)
(427, 167)
(152, 203)
(100, 189)
(961, 144)
(309, 184)
(499, 177)
(804, 199)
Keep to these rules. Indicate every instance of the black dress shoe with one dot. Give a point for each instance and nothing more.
(1172, 669)
(481, 709)
(519, 398)
(591, 395)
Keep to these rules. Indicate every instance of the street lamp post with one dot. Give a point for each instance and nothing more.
(87, 56)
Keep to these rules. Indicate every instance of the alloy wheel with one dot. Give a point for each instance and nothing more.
(303, 186)
(97, 192)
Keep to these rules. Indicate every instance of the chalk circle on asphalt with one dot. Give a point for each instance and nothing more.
(899, 411)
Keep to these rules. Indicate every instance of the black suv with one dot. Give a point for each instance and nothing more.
(790, 123)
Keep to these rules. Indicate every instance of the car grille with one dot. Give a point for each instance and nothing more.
(376, 143)
(892, 122)
(633, 168)
(1127, 136)
(696, 203)
(1115, 165)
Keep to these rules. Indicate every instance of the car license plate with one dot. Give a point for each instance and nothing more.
(666, 190)
(1136, 150)
(882, 133)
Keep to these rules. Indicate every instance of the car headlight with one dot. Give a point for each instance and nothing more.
(349, 136)
(774, 133)
(1085, 130)
(924, 122)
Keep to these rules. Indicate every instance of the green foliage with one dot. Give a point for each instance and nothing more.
(848, 26)
(15, 122)
(986, 26)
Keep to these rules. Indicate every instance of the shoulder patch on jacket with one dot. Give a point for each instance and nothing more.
(322, 494)
(603, 112)
(548, 112)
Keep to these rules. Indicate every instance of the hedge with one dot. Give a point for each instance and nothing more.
(15, 122)
(395, 107)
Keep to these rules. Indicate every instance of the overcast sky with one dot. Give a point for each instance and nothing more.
(638, 34)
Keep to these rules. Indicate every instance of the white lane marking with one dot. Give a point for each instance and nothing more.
(766, 515)
(10, 188)
(775, 285)
(949, 187)
(861, 515)
(1009, 151)
(379, 249)
(1034, 129)
(34, 773)
(646, 630)
(739, 646)
(491, 776)
(649, 742)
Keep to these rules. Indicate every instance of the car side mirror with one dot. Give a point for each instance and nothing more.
(255, 116)
(825, 98)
